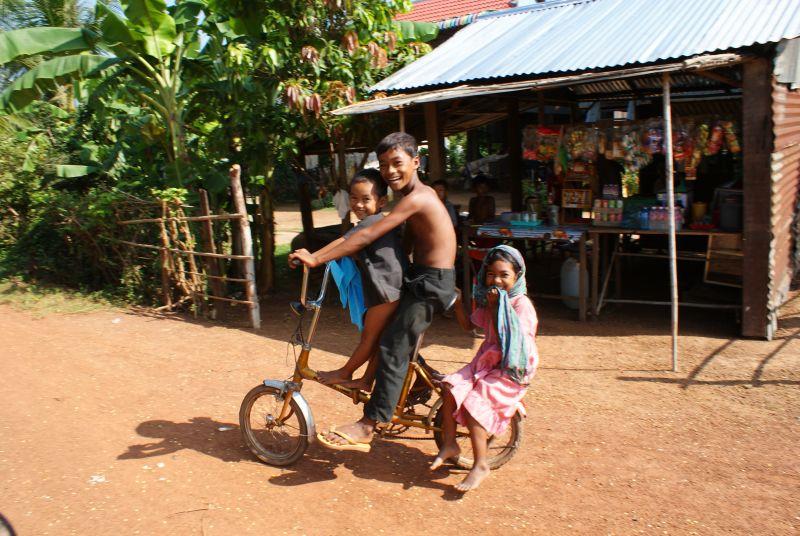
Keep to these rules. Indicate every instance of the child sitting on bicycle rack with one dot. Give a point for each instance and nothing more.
(381, 266)
(485, 394)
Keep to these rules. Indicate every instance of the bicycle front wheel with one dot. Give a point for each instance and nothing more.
(272, 441)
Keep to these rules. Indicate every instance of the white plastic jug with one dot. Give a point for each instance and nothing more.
(570, 270)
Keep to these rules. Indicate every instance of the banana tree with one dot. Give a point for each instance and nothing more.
(143, 49)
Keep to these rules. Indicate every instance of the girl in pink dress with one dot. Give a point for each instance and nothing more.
(485, 394)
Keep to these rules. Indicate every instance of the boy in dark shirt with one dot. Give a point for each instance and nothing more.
(381, 265)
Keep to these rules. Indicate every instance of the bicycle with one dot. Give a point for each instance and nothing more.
(277, 423)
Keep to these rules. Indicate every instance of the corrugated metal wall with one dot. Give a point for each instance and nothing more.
(785, 191)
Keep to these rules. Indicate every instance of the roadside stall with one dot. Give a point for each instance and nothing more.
(673, 141)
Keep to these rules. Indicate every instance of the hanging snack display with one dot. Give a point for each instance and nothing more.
(539, 143)
(635, 156)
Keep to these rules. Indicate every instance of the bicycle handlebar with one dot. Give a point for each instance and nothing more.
(304, 286)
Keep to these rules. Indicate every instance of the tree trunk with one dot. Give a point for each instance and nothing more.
(266, 268)
(306, 214)
(342, 178)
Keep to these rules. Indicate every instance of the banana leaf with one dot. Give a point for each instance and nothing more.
(19, 44)
(70, 171)
(47, 76)
(152, 24)
(114, 30)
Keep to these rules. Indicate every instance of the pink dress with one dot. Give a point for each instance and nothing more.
(481, 388)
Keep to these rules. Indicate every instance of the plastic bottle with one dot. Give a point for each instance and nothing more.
(644, 218)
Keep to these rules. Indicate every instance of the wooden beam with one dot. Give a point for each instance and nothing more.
(433, 132)
(757, 143)
(711, 75)
(515, 154)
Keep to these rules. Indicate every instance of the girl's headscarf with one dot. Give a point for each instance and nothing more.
(513, 345)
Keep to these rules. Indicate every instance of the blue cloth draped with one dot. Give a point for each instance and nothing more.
(348, 281)
(513, 346)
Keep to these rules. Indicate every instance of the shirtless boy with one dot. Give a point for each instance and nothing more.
(429, 283)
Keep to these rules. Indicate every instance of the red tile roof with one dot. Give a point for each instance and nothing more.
(439, 10)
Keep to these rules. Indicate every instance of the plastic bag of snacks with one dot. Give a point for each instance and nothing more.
(653, 137)
(582, 144)
(635, 155)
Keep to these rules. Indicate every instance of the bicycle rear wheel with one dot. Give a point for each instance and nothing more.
(273, 442)
(500, 450)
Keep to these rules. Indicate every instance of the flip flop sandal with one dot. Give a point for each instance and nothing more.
(351, 444)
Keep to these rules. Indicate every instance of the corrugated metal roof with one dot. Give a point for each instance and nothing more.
(617, 80)
(570, 36)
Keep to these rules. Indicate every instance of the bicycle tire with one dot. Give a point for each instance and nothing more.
(264, 445)
(505, 453)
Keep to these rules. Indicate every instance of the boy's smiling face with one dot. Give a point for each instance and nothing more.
(398, 168)
(364, 200)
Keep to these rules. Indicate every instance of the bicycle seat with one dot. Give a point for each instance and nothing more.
(297, 308)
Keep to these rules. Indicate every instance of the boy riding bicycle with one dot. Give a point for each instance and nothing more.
(429, 283)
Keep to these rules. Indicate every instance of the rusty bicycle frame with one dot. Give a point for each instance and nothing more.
(403, 416)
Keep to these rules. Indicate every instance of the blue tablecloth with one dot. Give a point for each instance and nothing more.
(571, 233)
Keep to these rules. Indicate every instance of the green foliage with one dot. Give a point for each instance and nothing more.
(168, 97)
(456, 153)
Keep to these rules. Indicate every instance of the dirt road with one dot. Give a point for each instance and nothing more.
(121, 422)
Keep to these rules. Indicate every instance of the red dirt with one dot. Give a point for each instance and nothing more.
(111, 425)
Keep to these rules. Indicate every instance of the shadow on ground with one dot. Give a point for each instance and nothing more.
(755, 380)
(389, 461)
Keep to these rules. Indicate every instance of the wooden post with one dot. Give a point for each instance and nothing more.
(342, 173)
(757, 237)
(198, 290)
(466, 267)
(595, 271)
(540, 108)
(582, 269)
(306, 215)
(514, 137)
(673, 264)
(180, 267)
(267, 270)
(402, 119)
(247, 245)
(212, 265)
(165, 258)
(435, 143)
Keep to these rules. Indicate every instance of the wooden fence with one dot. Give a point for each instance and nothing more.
(196, 272)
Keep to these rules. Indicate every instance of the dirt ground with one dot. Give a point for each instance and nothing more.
(125, 422)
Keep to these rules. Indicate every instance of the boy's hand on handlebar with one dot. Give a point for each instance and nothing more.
(304, 257)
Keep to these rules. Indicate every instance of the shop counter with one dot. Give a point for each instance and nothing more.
(723, 249)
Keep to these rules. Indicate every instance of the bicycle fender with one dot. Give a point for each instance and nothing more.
(305, 409)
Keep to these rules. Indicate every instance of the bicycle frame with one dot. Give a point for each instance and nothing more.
(304, 372)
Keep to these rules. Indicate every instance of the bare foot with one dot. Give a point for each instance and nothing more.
(474, 478)
(360, 383)
(332, 377)
(360, 431)
(447, 452)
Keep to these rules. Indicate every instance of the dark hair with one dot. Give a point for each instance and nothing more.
(397, 140)
(500, 255)
(481, 179)
(370, 175)
(440, 182)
